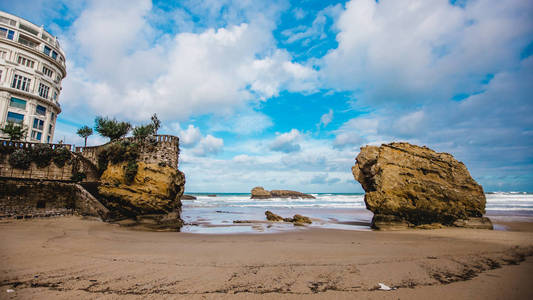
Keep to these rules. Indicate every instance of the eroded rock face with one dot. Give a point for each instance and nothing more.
(407, 185)
(259, 192)
(152, 199)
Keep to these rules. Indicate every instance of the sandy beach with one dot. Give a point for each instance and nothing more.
(75, 258)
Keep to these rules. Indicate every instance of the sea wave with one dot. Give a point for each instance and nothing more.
(495, 201)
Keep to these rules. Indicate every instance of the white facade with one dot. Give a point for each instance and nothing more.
(32, 66)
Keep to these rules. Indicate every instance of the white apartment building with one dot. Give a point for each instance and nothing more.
(32, 66)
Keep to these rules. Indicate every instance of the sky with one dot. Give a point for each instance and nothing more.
(283, 94)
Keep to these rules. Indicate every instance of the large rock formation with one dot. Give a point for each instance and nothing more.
(259, 192)
(152, 199)
(407, 185)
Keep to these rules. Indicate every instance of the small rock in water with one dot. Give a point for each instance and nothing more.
(272, 216)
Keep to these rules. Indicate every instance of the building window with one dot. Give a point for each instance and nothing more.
(3, 54)
(47, 72)
(50, 127)
(38, 124)
(18, 103)
(55, 95)
(43, 90)
(5, 33)
(54, 55)
(26, 62)
(7, 21)
(36, 135)
(27, 42)
(0, 75)
(40, 110)
(15, 118)
(21, 83)
(29, 29)
(47, 50)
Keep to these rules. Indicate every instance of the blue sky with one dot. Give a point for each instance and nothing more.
(284, 93)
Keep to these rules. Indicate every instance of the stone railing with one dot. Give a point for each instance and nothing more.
(164, 149)
(50, 172)
(23, 145)
(160, 149)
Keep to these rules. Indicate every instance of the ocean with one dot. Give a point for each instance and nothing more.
(216, 214)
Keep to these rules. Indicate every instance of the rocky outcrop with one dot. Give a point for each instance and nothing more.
(152, 199)
(259, 192)
(188, 197)
(407, 186)
(272, 216)
(297, 220)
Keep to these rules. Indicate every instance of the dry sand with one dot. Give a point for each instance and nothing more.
(73, 258)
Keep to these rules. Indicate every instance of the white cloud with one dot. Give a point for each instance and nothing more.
(274, 169)
(243, 122)
(287, 142)
(190, 136)
(209, 145)
(424, 50)
(356, 132)
(317, 30)
(192, 142)
(130, 73)
(325, 119)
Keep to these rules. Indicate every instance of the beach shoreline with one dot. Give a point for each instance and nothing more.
(72, 257)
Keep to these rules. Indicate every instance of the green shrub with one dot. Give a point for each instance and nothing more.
(103, 160)
(61, 156)
(130, 171)
(20, 159)
(111, 128)
(143, 131)
(122, 151)
(41, 155)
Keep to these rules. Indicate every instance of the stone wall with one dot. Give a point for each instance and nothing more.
(52, 171)
(23, 198)
(162, 149)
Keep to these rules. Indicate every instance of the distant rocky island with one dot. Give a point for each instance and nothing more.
(411, 186)
(259, 192)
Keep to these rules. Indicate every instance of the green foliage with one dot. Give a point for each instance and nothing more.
(122, 151)
(61, 156)
(85, 132)
(143, 131)
(156, 123)
(130, 171)
(111, 128)
(16, 132)
(20, 159)
(103, 160)
(5, 150)
(41, 155)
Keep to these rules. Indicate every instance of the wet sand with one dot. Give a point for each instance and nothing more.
(73, 258)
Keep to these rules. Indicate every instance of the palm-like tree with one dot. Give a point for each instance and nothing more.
(85, 132)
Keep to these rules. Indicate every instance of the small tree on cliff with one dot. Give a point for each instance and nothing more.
(85, 132)
(111, 128)
(143, 131)
(156, 123)
(15, 132)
